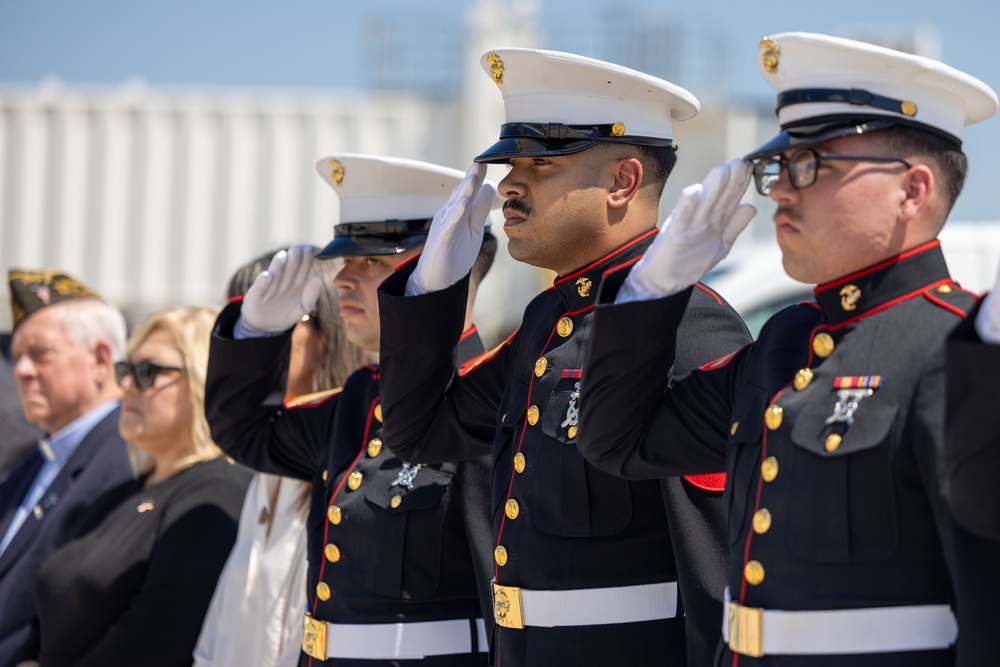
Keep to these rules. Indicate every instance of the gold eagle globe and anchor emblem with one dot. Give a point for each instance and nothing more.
(496, 67)
(770, 55)
(849, 297)
(583, 286)
(337, 172)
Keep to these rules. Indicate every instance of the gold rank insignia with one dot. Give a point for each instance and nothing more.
(770, 54)
(583, 286)
(849, 297)
(337, 172)
(496, 67)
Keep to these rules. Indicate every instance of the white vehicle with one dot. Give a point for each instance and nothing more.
(754, 282)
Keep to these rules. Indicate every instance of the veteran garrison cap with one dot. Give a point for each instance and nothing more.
(386, 203)
(829, 87)
(31, 291)
(560, 103)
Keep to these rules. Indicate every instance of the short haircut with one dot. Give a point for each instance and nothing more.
(944, 157)
(657, 162)
(191, 330)
(86, 322)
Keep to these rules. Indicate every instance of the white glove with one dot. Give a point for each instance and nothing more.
(280, 296)
(455, 236)
(988, 318)
(698, 235)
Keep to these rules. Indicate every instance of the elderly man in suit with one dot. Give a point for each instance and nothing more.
(64, 345)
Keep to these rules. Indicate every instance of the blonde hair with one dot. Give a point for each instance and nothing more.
(191, 330)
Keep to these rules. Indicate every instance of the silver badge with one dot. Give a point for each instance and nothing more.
(847, 404)
(406, 475)
(573, 412)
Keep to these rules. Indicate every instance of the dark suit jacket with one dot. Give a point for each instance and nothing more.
(98, 464)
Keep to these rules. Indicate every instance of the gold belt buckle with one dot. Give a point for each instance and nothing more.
(507, 606)
(746, 630)
(314, 637)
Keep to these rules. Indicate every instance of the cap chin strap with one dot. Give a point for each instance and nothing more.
(854, 96)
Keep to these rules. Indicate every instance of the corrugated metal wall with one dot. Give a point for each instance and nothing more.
(154, 196)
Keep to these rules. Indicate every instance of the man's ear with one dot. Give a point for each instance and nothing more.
(104, 362)
(627, 177)
(918, 190)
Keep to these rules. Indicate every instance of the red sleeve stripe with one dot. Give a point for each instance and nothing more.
(476, 362)
(712, 482)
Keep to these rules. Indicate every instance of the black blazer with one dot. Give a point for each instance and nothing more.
(98, 464)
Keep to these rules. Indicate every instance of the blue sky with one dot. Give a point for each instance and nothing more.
(318, 44)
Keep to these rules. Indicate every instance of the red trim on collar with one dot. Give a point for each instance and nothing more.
(406, 261)
(619, 251)
(715, 481)
(235, 299)
(881, 265)
(890, 304)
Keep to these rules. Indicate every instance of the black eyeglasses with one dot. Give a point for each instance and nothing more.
(143, 373)
(802, 167)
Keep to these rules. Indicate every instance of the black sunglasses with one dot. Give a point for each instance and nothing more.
(143, 373)
(803, 166)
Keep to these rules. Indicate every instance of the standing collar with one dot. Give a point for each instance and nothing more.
(882, 285)
(579, 288)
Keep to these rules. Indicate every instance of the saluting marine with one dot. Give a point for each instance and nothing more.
(842, 549)
(390, 545)
(589, 568)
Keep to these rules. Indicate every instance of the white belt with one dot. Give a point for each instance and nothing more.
(758, 632)
(516, 607)
(384, 641)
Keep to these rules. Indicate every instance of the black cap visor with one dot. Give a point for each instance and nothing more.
(389, 237)
(537, 139)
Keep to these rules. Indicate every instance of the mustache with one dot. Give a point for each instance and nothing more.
(788, 213)
(518, 206)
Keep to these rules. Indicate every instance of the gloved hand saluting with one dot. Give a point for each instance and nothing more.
(455, 236)
(698, 235)
(280, 296)
(988, 317)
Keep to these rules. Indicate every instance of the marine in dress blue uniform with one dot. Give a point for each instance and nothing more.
(842, 549)
(392, 578)
(588, 568)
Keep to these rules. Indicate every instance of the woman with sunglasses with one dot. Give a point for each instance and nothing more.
(133, 588)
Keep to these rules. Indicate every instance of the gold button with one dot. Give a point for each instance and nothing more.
(571, 431)
(354, 480)
(754, 572)
(500, 555)
(565, 327)
(832, 442)
(944, 289)
(540, 366)
(326, 474)
(908, 108)
(378, 412)
(773, 416)
(735, 427)
(761, 521)
(334, 514)
(519, 462)
(374, 447)
(533, 415)
(322, 591)
(512, 509)
(769, 468)
(823, 344)
(803, 378)
(396, 501)
(332, 552)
